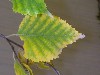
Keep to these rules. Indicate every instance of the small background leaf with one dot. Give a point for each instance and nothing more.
(19, 69)
(28, 68)
(45, 37)
(29, 7)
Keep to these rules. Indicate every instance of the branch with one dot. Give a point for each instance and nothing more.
(3, 36)
(13, 49)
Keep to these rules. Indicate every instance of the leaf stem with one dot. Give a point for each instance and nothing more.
(12, 35)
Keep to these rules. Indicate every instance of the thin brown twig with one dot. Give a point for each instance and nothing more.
(13, 49)
(48, 64)
(3, 36)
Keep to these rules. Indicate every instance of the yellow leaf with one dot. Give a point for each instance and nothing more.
(44, 37)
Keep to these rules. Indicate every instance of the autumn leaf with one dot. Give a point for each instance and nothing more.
(44, 37)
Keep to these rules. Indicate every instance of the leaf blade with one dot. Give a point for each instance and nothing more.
(45, 37)
(29, 7)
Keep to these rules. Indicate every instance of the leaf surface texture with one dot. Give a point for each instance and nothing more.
(29, 7)
(45, 37)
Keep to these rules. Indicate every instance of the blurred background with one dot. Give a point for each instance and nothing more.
(80, 58)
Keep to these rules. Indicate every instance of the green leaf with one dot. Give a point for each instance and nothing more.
(29, 7)
(19, 69)
(44, 37)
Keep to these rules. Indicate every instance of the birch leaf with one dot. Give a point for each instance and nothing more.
(44, 37)
(29, 7)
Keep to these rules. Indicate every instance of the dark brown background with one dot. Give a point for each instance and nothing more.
(80, 58)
